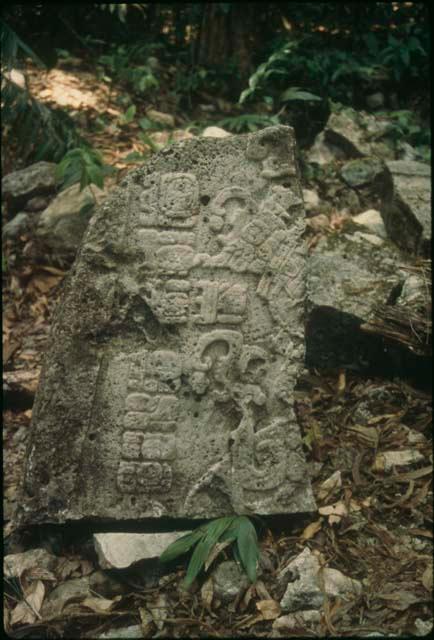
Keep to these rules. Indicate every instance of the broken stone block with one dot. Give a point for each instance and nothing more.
(121, 550)
(406, 209)
(168, 387)
(372, 221)
(308, 583)
(347, 277)
(36, 180)
(62, 224)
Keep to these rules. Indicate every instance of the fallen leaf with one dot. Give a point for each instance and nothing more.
(270, 609)
(312, 529)
(147, 622)
(99, 605)
(27, 611)
(330, 485)
(400, 600)
(335, 512)
(159, 610)
(427, 578)
(261, 590)
(207, 593)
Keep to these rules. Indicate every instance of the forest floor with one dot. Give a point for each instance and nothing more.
(374, 524)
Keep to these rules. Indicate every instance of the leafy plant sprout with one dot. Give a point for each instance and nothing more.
(210, 539)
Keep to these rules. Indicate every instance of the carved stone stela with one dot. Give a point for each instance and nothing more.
(168, 389)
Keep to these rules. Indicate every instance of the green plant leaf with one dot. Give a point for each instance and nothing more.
(213, 532)
(247, 544)
(293, 93)
(182, 545)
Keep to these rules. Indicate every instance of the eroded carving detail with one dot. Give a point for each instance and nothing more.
(150, 419)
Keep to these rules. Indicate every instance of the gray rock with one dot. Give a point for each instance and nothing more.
(37, 179)
(423, 627)
(38, 203)
(308, 583)
(359, 134)
(344, 131)
(375, 100)
(303, 590)
(406, 208)
(359, 236)
(121, 550)
(347, 277)
(295, 621)
(14, 227)
(372, 221)
(338, 585)
(323, 152)
(215, 132)
(133, 631)
(229, 580)
(363, 171)
(168, 387)
(311, 200)
(62, 225)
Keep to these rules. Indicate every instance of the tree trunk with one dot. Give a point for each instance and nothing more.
(227, 34)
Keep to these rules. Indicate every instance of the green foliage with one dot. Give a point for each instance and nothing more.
(128, 116)
(407, 127)
(237, 529)
(338, 66)
(83, 165)
(248, 122)
(124, 63)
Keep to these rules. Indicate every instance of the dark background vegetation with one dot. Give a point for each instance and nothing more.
(285, 62)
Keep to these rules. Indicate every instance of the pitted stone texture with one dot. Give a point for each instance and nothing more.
(168, 389)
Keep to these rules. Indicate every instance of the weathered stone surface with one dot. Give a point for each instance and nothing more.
(229, 580)
(168, 387)
(62, 224)
(362, 171)
(372, 221)
(308, 583)
(37, 179)
(359, 134)
(406, 209)
(295, 622)
(347, 277)
(15, 226)
(121, 550)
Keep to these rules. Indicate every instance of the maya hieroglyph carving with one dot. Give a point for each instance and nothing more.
(168, 389)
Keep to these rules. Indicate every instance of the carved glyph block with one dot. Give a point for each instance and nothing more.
(168, 388)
